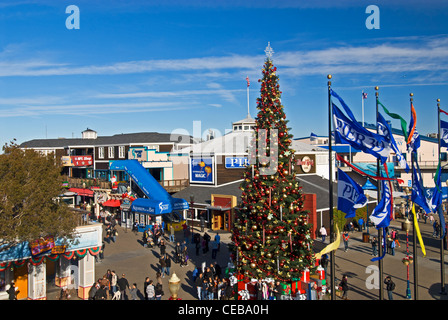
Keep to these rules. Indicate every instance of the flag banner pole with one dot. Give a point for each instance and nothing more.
(380, 236)
(443, 234)
(413, 158)
(330, 190)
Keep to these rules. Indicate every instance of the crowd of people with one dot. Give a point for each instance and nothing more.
(208, 280)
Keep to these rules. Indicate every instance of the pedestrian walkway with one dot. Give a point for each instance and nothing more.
(127, 255)
(355, 262)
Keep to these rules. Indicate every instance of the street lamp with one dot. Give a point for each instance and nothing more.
(192, 214)
(406, 226)
(174, 286)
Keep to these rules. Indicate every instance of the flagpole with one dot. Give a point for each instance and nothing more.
(414, 234)
(362, 102)
(442, 254)
(380, 236)
(330, 190)
(248, 84)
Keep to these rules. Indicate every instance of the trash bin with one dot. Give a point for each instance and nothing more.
(365, 237)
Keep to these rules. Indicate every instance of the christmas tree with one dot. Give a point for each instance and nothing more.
(271, 234)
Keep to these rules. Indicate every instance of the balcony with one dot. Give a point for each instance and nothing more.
(171, 186)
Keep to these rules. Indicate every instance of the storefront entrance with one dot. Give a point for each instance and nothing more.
(21, 281)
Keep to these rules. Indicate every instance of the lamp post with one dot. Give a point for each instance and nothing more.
(174, 286)
(192, 214)
(406, 226)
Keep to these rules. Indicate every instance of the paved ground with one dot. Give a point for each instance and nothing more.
(128, 256)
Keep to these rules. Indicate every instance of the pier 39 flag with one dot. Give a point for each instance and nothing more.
(351, 132)
(380, 216)
(444, 134)
(350, 195)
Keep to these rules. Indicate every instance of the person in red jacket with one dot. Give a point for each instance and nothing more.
(345, 237)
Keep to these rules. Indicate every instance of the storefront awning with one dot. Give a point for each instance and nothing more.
(82, 191)
(111, 203)
(157, 207)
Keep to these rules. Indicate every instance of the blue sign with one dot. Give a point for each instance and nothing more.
(236, 162)
(201, 170)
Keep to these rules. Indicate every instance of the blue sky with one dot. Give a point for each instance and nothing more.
(136, 66)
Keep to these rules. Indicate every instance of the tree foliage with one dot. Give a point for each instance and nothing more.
(271, 233)
(29, 184)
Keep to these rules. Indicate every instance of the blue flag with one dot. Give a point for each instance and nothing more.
(385, 130)
(352, 133)
(380, 216)
(350, 195)
(444, 134)
(436, 201)
(418, 194)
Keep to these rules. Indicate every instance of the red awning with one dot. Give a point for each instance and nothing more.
(82, 191)
(111, 203)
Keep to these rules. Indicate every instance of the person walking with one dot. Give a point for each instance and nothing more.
(178, 252)
(162, 248)
(374, 247)
(343, 285)
(390, 286)
(214, 249)
(134, 292)
(323, 233)
(172, 233)
(324, 263)
(345, 238)
(197, 242)
(150, 292)
(145, 285)
(198, 283)
(168, 264)
(162, 262)
(158, 291)
(113, 282)
(123, 284)
(12, 291)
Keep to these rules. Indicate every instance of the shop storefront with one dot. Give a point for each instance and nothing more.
(33, 267)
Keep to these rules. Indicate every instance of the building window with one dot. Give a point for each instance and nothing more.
(101, 152)
(110, 152)
(121, 152)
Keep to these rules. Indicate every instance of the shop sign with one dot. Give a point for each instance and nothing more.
(82, 161)
(125, 204)
(305, 164)
(41, 245)
(201, 170)
(66, 161)
(58, 250)
(236, 162)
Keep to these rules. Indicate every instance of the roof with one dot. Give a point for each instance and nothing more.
(124, 138)
(248, 119)
(235, 142)
(309, 183)
(202, 195)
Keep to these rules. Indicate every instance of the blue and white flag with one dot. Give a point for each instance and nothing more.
(444, 134)
(418, 194)
(385, 130)
(380, 216)
(436, 201)
(350, 195)
(351, 132)
(313, 136)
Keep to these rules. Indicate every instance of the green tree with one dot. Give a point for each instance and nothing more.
(271, 233)
(29, 185)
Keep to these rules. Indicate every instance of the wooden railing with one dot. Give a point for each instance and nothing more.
(174, 185)
(170, 186)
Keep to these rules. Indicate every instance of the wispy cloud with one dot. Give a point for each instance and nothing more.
(93, 109)
(424, 54)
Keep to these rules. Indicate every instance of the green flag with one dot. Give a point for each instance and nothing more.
(398, 117)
